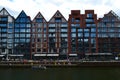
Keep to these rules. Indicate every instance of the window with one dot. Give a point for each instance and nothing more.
(16, 40)
(10, 25)
(73, 34)
(27, 40)
(38, 50)
(72, 20)
(27, 35)
(3, 19)
(4, 30)
(64, 25)
(16, 30)
(89, 15)
(3, 25)
(63, 30)
(79, 34)
(51, 25)
(86, 34)
(28, 30)
(10, 30)
(10, 35)
(10, 40)
(77, 19)
(93, 30)
(73, 30)
(44, 29)
(22, 35)
(22, 19)
(93, 35)
(16, 35)
(38, 29)
(89, 20)
(28, 25)
(39, 20)
(58, 20)
(22, 40)
(4, 35)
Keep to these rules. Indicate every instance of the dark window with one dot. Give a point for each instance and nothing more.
(58, 20)
(77, 19)
(38, 50)
(3, 19)
(39, 20)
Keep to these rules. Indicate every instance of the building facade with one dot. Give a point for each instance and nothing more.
(109, 33)
(82, 33)
(39, 38)
(58, 38)
(6, 32)
(57, 35)
(22, 35)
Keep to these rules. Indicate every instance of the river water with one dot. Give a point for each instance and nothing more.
(95, 73)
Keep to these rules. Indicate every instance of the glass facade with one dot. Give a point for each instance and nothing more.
(6, 32)
(109, 33)
(22, 34)
(81, 34)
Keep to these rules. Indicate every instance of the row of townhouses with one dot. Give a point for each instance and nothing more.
(80, 35)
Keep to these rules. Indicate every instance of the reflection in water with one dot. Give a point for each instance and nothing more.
(60, 74)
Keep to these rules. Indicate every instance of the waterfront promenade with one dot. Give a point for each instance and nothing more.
(30, 63)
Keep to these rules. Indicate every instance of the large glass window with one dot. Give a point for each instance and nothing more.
(63, 30)
(89, 20)
(4, 35)
(22, 40)
(10, 35)
(77, 19)
(93, 34)
(16, 30)
(51, 25)
(27, 35)
(58, 20)
(27, 40)
(4, 30)
(22, 30)
(16, 40)
(73, 34)
(10, 40)
(16, 35)
(93, 30)
(27, 30)
(89, 15)
(28, 25)
(10, 25)
(86, 34)
(22, 35)
(3, 19)
(64, 25)
(10, 30)
(39, 20)
(73, 30)
(3, 25)
(22, 25)
(22, 19)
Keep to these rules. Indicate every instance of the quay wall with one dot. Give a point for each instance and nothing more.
(59, 64)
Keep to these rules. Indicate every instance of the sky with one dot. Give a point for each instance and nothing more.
(49, 7)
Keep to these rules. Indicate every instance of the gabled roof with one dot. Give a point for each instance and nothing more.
(4, 12)
(39, 15)
(23, 15)
(58, 15)
(112, 14)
